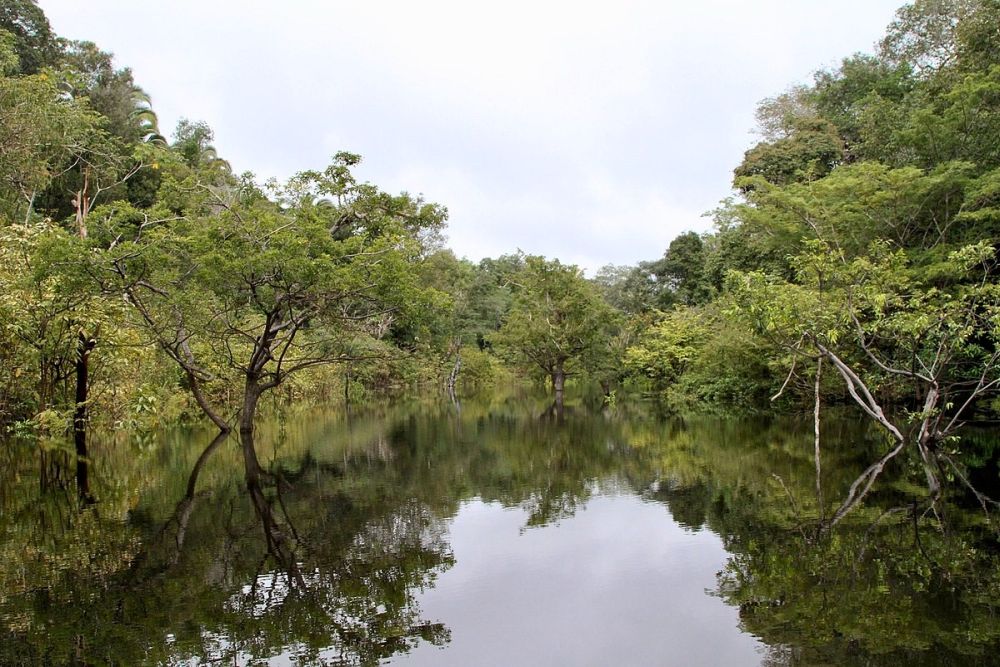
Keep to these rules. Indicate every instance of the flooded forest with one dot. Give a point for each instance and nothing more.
(260, 421)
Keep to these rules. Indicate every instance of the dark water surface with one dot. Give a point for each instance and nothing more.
(489, 535)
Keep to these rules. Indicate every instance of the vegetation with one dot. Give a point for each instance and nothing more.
(556, 320)
(144, 281)
(329, 553)
(863, 238)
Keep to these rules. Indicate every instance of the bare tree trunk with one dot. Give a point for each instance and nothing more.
(31, 207)
(453, 377)
(84, 346)
(203, 403)
(925, 440)
(81, 202)
(863, 397)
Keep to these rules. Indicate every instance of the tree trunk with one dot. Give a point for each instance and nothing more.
(816, 444)
(251, 395)
(31, 207)
(453, 376)
(81, 202)
(195, 386)
(925, 442)
(83, 347)
(558, 384)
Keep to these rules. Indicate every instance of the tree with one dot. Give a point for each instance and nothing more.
(556, 317)
(636, 290)
(90, 73)
(665, 350)
(924, 212)
(925, 33)
(936, 351)
(193, 142)
(42, 136)
(34, 42)
(853, 95)
(683, 269)
(269, 287)
(811, 149)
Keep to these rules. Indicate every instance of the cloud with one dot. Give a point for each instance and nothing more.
(593, 132)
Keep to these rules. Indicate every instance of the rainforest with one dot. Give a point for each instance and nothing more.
(263, 421)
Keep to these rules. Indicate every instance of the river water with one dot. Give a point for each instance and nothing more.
(491, 533)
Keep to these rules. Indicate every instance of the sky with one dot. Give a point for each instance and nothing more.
(594, 132)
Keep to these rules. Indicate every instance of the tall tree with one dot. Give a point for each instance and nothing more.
(43, 136)
(34, 42)
(683, 269)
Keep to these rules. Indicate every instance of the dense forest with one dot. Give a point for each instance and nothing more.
(144, 280)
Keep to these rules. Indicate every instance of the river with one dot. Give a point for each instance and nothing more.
(491, 533)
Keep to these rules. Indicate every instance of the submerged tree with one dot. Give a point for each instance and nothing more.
(556, 318)
(264, 288)
(933, 350)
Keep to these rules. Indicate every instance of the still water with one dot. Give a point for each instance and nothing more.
(491, 534)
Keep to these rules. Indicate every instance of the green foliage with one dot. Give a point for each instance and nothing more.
(683, 269)
(193, 143)
(556, 318)
(666, 349)
(270, 286)
(696, 360)
(634, 290)
(41, 134)
(34, 42)
(9, 61)
(87, 72)
(846, 96)
(858, 210)
(810, 151)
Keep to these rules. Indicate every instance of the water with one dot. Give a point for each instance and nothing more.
(490, 535)
(619, 583)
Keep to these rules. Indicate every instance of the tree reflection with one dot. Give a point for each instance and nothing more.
(250, 569)
(315, 544)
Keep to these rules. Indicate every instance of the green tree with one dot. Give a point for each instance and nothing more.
(886, 334)
(42, 136)
(925, 33)
(556, 318)
(193, 141)
(809, 151)
(266, 288)
(639, 289)
(34, 42)
(90, 73)
(683, 269)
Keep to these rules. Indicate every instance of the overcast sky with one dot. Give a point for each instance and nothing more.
(591, 132)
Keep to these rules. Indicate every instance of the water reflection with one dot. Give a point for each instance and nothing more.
(499, 533)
